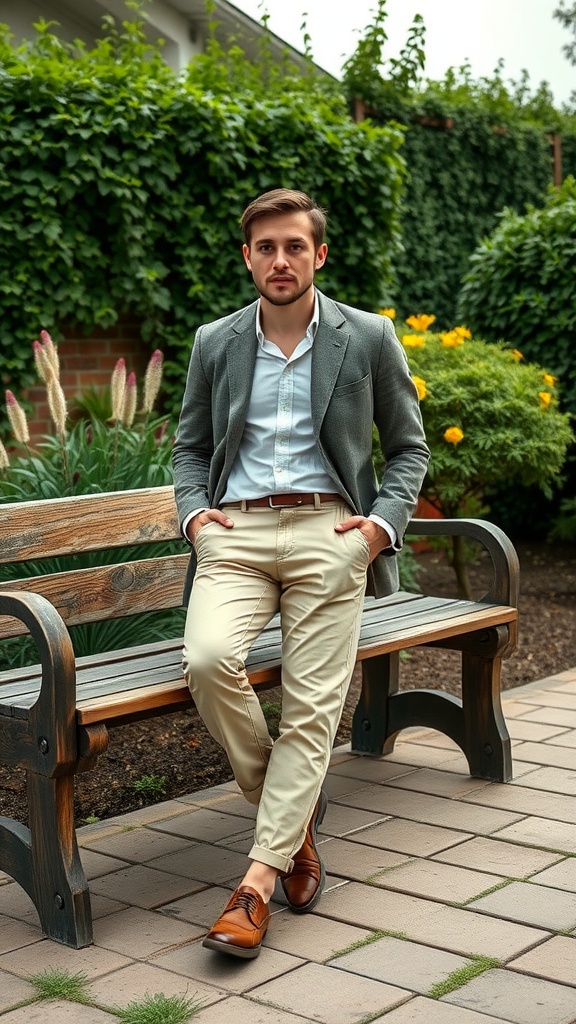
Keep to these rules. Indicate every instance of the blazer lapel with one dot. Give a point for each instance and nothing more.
(328, 352)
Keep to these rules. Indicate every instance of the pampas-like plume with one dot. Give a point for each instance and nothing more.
(4, 460)
(118, 390)
(57, 404)
(130, 400)
(43, 367)
(50, 353)
(152, 380)
(17, 418)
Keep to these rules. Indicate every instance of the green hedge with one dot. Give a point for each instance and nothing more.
(122, 187)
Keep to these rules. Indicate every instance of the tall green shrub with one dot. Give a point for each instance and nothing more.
(123, 184)
(521, 285)
(472, 147)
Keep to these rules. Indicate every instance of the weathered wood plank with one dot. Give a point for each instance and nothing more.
(88, 522)
(106, 592)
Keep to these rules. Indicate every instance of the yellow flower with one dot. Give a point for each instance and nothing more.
(413, 340)
(420, 388)
(549, 379)
(453, 435)
(545, 399)
(463, 332)
(388, 311)
(421, 322)
(517, 355)
(450, 339)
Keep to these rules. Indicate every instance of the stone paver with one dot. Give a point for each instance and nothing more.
(406, 839)
(437, 783)
(560, 876)
(460, 931)
(13, 990)
(237, 1010)
(556, 780)
(517, 998)
(225, 972)
(411, 837)
(552, 835)
(489, 854)
(531, 904)
(141, 933)
(328, 995)
(397, 962)
(129, 983)
(436, 880)
(436, 810)
(46, 955)
(143, 886)
(354, 860)
(554, 959)
(56, 1012)
(429, 1011)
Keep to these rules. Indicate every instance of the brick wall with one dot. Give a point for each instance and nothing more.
(87, 362)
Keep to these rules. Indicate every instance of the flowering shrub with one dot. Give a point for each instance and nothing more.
(129, 449)
(489, 416)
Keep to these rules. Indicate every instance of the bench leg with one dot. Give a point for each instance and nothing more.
(60, 890)
(486, 738)
(380, 676)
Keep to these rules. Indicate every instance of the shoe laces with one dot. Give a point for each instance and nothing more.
(247, 901)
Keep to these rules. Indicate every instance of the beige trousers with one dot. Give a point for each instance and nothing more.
(292, 561)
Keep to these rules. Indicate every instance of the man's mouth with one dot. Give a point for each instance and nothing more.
(281, 280)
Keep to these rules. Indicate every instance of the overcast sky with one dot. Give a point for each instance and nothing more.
(523, 32)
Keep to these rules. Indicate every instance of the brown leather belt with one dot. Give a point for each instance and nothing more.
(283, 501)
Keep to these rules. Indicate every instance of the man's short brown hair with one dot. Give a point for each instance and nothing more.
(285, 200)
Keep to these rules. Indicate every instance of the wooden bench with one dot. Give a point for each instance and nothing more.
(55, 716)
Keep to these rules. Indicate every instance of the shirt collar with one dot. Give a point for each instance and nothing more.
(310, 330)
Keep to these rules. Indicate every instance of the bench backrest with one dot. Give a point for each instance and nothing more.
(59, 527)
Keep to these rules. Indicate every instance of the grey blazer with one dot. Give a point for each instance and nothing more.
(360, 377)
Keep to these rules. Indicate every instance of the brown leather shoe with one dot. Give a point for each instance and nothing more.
(303, 886)
(242, 925)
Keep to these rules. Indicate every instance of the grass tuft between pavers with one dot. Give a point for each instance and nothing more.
(383, 933)
(152, 1009)
(479, 965)
(160, 1009)
(58, 984)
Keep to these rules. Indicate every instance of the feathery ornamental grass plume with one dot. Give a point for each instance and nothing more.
(130, 400)
(57, 404)
(17, 418)
(50, 353)
(4, 460)
(43, 367)
(153, 380)
(118, 390)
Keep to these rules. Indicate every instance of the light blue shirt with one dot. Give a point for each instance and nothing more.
(278, 453)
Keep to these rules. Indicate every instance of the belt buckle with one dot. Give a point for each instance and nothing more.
(289, 504)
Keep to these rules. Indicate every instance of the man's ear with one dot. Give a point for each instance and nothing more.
(246, 255)
(321, 256)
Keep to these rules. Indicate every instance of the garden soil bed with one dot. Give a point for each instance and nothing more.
(170, 756)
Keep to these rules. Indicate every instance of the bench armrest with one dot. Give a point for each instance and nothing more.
(506, 570)
(52, 718)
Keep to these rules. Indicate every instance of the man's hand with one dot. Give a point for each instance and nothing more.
(209, 516)
(375, 534)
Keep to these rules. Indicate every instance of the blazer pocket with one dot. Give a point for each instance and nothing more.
(349, 389)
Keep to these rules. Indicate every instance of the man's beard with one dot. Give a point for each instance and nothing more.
(284, 300)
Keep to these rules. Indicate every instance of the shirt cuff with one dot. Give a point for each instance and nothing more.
(386, 526)
(189, 517)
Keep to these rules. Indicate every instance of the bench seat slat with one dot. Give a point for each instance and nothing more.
(122, 688)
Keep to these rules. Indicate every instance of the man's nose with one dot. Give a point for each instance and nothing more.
(280, 259)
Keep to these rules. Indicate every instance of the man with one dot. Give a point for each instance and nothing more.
(276, 492)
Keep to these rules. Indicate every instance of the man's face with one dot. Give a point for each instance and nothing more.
(282, 257)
